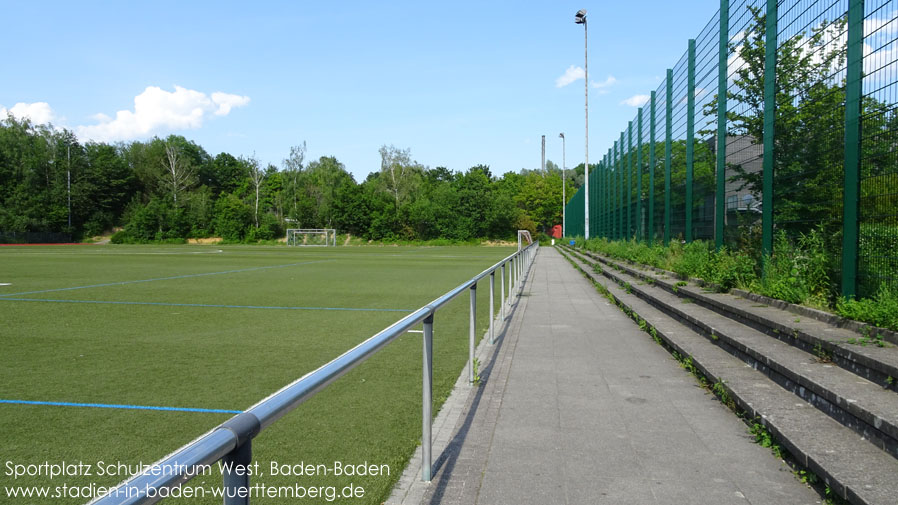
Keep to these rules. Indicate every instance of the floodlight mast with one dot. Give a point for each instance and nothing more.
(580, 19)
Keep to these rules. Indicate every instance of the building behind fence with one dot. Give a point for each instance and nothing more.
(720, 153)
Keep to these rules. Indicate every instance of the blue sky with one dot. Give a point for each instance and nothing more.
(459, 83)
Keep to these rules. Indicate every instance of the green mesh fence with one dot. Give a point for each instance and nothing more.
(678, 165)
(707, 52)
(725, 153)
(878, 177)
(743, 151)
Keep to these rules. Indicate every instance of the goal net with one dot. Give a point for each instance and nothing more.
(312, 237)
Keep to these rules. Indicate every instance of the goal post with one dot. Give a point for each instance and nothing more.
(309, 237)
(524, 239)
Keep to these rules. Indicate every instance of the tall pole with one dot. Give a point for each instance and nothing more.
(563, 183)
(543, 162)
(586, 102)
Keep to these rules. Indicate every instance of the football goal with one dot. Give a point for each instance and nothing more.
(312, 237)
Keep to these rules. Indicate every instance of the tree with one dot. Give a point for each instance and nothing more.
(399, 174)
(178, 172)
(293, 166)
(256, 178)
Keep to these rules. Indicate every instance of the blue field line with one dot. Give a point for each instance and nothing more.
(126, 407)
(186, 276)
(208, 305)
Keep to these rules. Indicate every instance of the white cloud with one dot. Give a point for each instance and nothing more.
(572, 74)
(604, 84)
(636, 100)
(156, 109)
(37, 112)
(226, 101)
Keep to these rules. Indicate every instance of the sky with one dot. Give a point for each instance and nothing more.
(458, 83)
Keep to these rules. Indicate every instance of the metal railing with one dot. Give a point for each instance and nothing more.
(231, 441)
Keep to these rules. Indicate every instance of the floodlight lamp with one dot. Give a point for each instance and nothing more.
(580, 17)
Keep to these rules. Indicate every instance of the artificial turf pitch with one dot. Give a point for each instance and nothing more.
(219, 328)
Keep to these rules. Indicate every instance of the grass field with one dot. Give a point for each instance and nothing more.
(220, 327)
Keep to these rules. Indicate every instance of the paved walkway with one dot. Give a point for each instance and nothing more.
(580, 406)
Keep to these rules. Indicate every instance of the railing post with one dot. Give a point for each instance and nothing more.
(502, 292)
(492, 303)
(513, 280)
(510, 280)
(426, 401)
(236, 476)
(471, 329)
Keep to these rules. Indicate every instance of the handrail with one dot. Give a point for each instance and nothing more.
(231, 440)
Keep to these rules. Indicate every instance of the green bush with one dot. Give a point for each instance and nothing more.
(729, 269)
(232, 218)
(881, 310)
(797, 272)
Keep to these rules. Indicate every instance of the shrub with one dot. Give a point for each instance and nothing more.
(881, 310)
(797, 272)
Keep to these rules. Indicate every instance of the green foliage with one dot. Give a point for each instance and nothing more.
(725, 268)
(172, 189)
(232, 218)
(881, 310)
(764, 438)
(797, 272)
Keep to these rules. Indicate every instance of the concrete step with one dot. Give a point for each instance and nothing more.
(847, 348)
(853, 468)
(860, 404)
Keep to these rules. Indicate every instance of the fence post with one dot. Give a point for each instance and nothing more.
(609, 191)
(471, 330)
(612, 180)
(236, 486)
(690, 139)
(639, 176)
(722, 74)
(668, 129)
(769, 122)
(853, 96)
(601, 198)
(650, 236)
(620, 201)
(605, 194)
(629, 181)
(427, 401)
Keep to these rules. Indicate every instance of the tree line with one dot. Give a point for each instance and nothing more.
(172, 189)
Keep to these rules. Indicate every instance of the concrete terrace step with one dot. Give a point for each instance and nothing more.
(854, 401)
(877, 364)
(854, 469)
